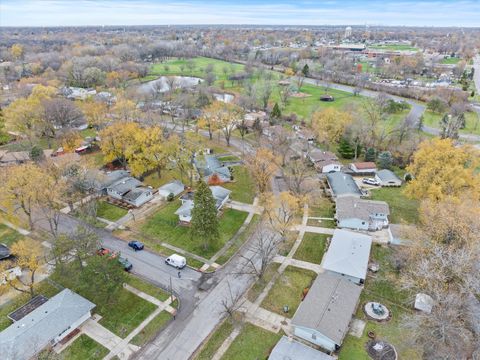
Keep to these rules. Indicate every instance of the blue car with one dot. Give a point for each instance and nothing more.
(136, 245)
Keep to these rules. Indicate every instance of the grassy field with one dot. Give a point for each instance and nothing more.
(243, 188)
(8, 236)
(394, 47)
(471, 118)
(152, 329)
(43, 288)
(163, 227)
(382, 287)
(109, 211)
(312, 248)
(252, 343)
(402, 209)
(229, 158)
(215, 341)
(288, 290)
(450, 60)
(83, 348)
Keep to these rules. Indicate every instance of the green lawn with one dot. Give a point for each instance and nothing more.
(450, 60)
(288, 290)
(152, 329)
(252, 343)
(229, 158)
(89, 132)
(8, 236)
(147, 288)
(239, 241)
(84, 348)
(393, 47)
(382, 287)
(43, 288)
(312, 248)
(163, 227)
(321, 207)
(471, 118)
(167, 176)
(243, 187)
(109, 211)
(215, 341)
(257, 288)
(402, 209)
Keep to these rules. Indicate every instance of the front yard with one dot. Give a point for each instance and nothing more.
(243, 187)
(312, 248)
(110, 212)
(163, 227)
(288, 290)
(215, 340)
(8, 236)
(84, 348)
(402, 209)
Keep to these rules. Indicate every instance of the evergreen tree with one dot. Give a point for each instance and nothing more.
(385, 159)
(306, 70)
(345, 149)
(204, 216)
(276, 113)
(421, 120)
(4, 138)
(370, 154)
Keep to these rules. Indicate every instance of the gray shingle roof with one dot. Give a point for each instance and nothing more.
(387, 175)
(124, 185)
(290, 349)
(328, 306)
(175, 187)
(348, 207)
(348, 253)
(24, 338)
(343, 184)
(135, 193)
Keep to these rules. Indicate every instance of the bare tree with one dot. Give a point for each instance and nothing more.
(231, 302)
(261, 253)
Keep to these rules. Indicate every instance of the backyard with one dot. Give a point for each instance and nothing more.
(163, 227)
(288, 290)
(402, 209)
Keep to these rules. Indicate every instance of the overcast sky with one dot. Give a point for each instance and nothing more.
(461, 13)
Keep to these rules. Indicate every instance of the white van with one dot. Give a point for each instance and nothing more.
(176, 261)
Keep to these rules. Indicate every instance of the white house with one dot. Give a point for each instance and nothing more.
(119, 188)
(388, 178)
(358, 214)
(184, 212)
(348, 255)
(138, 196)
(324, 315)
(175, 187)
(47, 324)
(324, 161)
(363, 168)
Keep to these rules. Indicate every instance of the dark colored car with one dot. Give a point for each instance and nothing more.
(136, 245)
(127, 265)
(4, 252)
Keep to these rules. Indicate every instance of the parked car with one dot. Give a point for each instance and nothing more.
(176, 261)
(127, 265)
(371, 181)
(136, 245)
(104, 251)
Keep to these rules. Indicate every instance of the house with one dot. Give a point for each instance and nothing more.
(50, 322)
(354, 213)
(76, 93)
(324, 161)
(119, 188)
(184, 212)
(363, 168)
(342, 184)
(138, 196)
(388, 178)
(348, 255)
(212, 170)
(99, 181)
(175, 187)
(288, 348)
(324, 316)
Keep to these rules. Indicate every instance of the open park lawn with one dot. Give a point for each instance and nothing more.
(252, 343)
(215, 340)
(394, 47)
(42, 288)
(402, 209)
(243, 187)
(382, 287)
(312, 248)
(152, 329)
(163, 227)
(472, 120)
(8, 236)
(288, 290)
(109, 211)
(83, 348)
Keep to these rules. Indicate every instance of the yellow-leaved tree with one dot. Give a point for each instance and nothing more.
(117, 139)
(262, 166)
(282, 210)
(440, 169)
(94, 111)
(329, 125)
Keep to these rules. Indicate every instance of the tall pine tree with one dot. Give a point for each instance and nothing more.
(204, 217)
